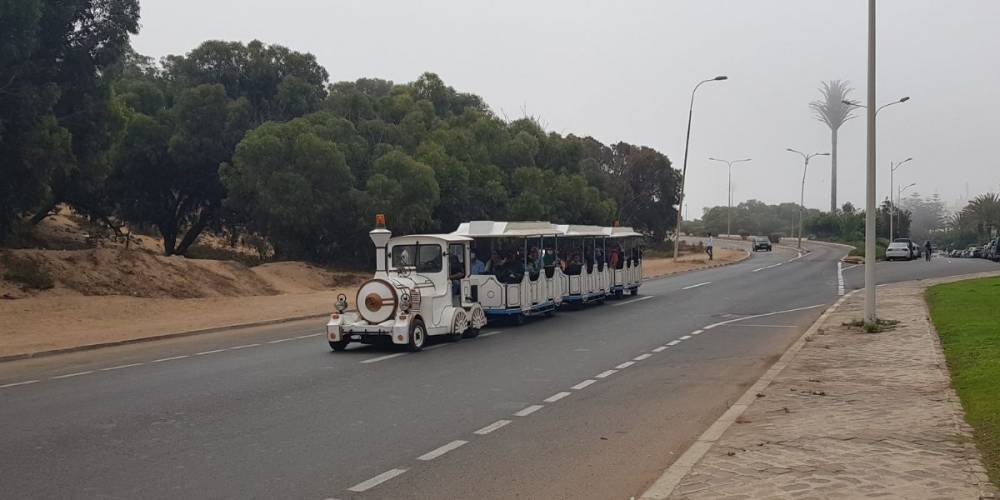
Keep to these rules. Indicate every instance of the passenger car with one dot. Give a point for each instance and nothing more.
(760, 243)
(899, 250)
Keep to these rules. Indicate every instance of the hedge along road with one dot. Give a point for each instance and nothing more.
(589, 404)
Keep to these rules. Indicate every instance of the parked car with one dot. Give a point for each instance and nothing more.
(974, 252)
(899, 250)
(760, 243)
(913, 248)
(992, 250)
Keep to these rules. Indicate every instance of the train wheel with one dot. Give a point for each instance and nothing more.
(418, 336)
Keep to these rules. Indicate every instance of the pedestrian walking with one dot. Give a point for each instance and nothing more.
(927, 250)
(708, 248)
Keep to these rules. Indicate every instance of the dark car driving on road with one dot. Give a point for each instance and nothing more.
(761, 243)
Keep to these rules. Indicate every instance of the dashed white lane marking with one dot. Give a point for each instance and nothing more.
(119, 367)
(487, 334)
(492, 427)
(606, 374)
(625, 365)
(556, 397)
(278, 341)
(203, 353)
(383, 358)
(642, 357)
(431, 455)
(684, 337)
(583, 384)
(645, 297)
(697, 332)
(696, 286)
(171, 358)
(375, 481)
(660, 349)
(71, 375)
(15, 384)
(744, 318)
(436, 346)
(673, 342)
(309, 335)
(529, 410)
(245, 346)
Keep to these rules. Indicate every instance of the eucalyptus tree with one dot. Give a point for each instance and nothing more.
(833, 110)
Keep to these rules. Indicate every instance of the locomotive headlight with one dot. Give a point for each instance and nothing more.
(404, 301)
(341, 304)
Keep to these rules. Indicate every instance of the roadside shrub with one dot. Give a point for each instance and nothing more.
(26, 272)
(774, 238)
(744, 234)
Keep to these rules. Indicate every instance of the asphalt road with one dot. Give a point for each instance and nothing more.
(587, 404)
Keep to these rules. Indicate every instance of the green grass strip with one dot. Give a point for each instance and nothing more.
(967, 316)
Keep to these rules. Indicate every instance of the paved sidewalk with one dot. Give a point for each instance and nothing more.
(853, 415)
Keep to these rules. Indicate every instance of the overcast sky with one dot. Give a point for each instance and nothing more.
(624, 71)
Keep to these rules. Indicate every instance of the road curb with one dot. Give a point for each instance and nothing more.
(188, 333)
(668, 481)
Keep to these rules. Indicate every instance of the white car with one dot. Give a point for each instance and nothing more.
(898, 250)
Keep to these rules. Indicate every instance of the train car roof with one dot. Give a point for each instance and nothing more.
(450, 238)
(620, 232)
(501, 229)
(581, 230)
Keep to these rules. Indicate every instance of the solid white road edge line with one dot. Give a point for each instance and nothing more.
(665, 485)
(786, 311)
(640, 299)
(696, 286)
(492, 427)
(840, 278)
(606, 374)
(278, 341)
(556, 397)
(583, 385)
(309, 335)
(487, 334)
(15, 384)
(375, 481)
(528, 410)
(431, 455)
(625, 365)
(245, 346)
(383, 358)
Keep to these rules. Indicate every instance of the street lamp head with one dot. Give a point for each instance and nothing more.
(908, 159)
(823, 154)
(790, 150)
(907, 98)
(851, 103)
(724, 77)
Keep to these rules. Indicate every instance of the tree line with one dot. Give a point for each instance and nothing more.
(253, 140)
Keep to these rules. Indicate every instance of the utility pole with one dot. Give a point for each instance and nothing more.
(870, 315)
(892, 205)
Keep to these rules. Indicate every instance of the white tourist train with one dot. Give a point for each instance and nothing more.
(449, 284)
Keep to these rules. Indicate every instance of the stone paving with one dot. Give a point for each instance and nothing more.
(854, 415)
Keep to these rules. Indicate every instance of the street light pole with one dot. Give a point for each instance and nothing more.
(687, 142)
(729, 209)
(802, 194)
(892, 204)
(870, 316)
(899, 198)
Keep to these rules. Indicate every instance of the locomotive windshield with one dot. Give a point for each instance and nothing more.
(424, 258)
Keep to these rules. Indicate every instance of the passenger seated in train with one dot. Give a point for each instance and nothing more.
(477, 266)
(549, 261)
(575, 264)
(614, 258)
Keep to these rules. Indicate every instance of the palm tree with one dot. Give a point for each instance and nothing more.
(985, 211)
(832, 111)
